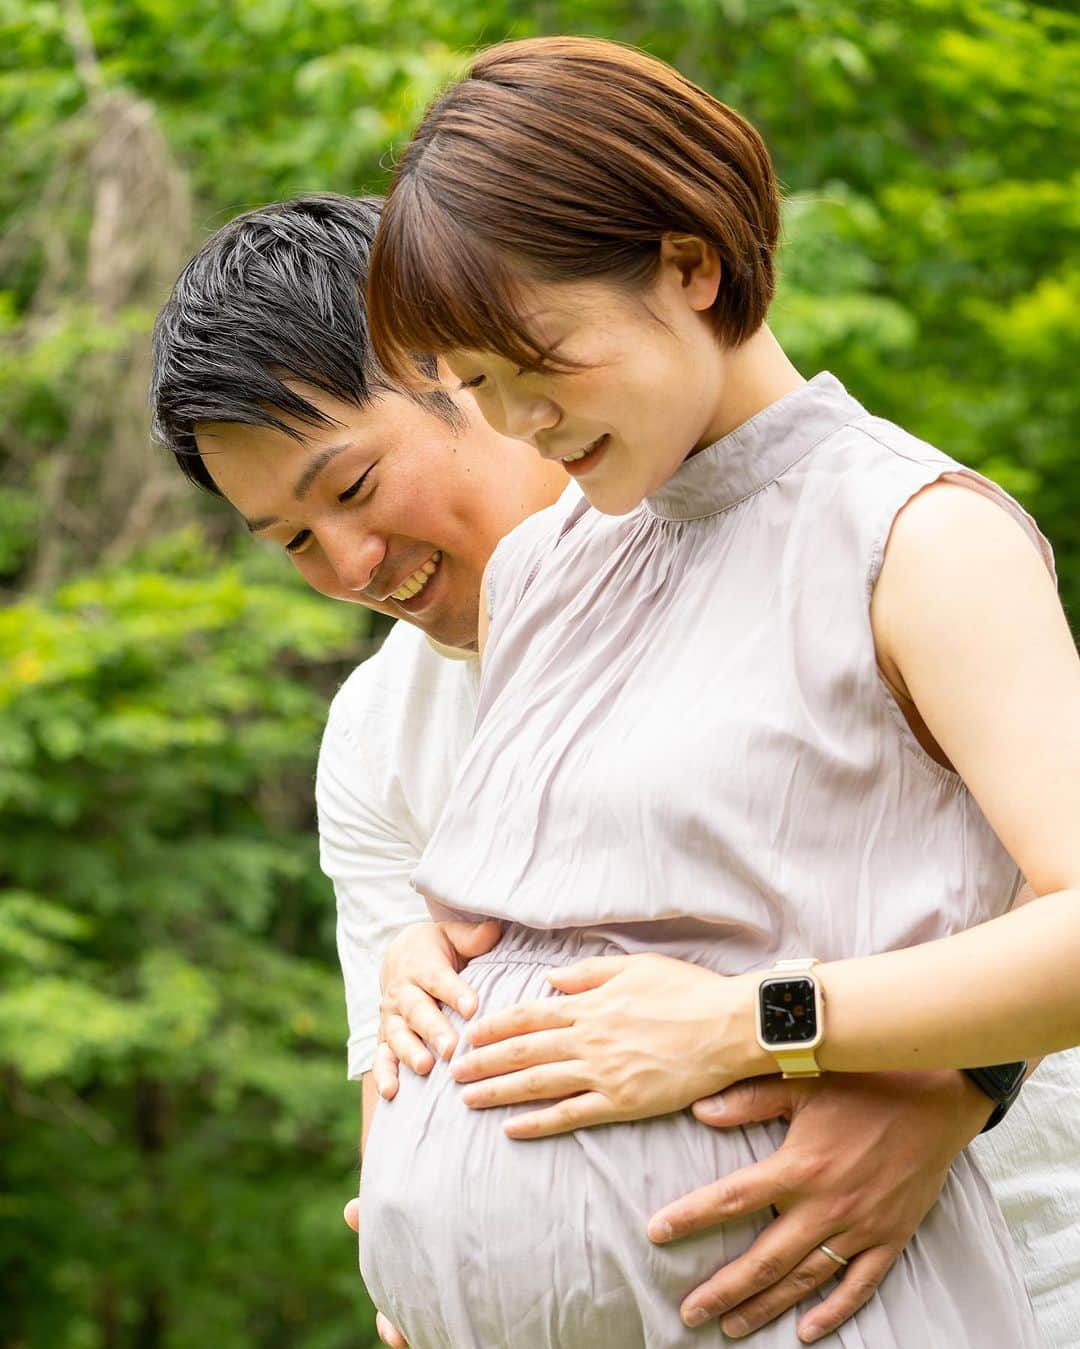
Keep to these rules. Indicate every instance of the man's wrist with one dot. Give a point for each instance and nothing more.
(1000, 1084)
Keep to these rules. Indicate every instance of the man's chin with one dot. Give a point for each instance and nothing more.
(455, 636)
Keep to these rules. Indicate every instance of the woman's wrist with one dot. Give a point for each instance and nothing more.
(739, 1055)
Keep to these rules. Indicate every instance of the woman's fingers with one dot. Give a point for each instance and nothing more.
(544, 1082)
(384, 1069)
(390, 1335)
(859, 1283)
(522, 1019)
(352, 1214)
(576, 1112)
(510, 1056)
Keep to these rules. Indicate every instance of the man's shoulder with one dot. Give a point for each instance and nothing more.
(406, 682)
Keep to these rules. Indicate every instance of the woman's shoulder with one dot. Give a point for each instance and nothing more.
(871, 472)
(519, 554)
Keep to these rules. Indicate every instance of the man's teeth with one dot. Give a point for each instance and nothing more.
(418, 580)
(573, 458)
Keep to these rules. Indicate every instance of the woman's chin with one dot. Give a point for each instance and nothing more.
(613, 498)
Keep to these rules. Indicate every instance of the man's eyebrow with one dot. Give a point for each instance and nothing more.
(324, 457)
(303, 484)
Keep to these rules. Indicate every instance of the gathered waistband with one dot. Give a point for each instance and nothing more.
(698, 942)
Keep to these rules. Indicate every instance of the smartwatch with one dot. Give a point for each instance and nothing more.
(1001, 1083)
(790, 1017)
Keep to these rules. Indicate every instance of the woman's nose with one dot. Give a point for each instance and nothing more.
(524, 418)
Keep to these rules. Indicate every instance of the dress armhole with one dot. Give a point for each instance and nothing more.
(960, 477)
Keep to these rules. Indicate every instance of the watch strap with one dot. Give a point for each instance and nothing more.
(797, 1063)
(1001, 1083)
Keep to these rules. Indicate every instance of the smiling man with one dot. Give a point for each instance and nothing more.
(265, 389)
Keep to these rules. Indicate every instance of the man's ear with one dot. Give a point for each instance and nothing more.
(697, 266)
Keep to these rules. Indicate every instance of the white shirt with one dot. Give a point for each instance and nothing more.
(397, 729)
(396, 732)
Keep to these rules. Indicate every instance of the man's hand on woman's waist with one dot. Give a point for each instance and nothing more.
(421, 969)
(863, 1162)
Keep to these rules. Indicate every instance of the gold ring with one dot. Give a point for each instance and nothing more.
(827, 1250)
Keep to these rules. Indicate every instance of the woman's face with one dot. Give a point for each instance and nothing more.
(647, 393)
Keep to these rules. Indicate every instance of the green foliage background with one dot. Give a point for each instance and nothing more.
(176, 1136)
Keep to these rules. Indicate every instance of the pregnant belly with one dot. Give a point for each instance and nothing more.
(472, 1238)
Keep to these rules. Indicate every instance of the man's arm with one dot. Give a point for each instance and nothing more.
(387, 1333)
(368, 857)
(369, 1100)
(366, 850)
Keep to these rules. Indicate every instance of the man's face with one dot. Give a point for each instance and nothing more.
(389, 507)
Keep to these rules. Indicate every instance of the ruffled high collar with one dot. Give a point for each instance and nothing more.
(756, 453)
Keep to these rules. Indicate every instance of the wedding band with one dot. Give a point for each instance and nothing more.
(827, 1250)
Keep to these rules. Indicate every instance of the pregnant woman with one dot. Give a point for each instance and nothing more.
(784, 684)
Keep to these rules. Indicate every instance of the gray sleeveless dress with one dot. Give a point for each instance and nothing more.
(683, 745)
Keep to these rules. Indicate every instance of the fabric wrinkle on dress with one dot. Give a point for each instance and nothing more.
(683, 745)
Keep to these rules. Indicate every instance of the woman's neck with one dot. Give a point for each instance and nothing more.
(752, 376)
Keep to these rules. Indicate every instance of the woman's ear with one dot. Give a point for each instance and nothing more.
(696, 265)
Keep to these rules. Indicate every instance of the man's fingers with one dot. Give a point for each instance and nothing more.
(742, 1192)
(384, 1069)
(776, 1251)
(408, 1048)
(860, 1282)
(750, 1102)
(586, 974)
(422, 1016)
(389, 1334)
(522, 1019)
(352, 1214)
(447, 986)
(472, 939)
(807, 1276)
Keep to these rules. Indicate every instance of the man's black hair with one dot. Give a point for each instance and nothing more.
(277, 294)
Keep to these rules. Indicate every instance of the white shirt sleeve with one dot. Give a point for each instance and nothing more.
(369, 858)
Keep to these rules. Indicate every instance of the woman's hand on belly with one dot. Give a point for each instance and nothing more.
(637, 1036)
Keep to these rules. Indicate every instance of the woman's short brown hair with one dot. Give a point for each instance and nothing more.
(559, 159)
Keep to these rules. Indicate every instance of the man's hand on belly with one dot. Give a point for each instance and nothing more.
(421, 969)
(863, 1163)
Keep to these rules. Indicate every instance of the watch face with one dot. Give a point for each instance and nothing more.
(788, 1011)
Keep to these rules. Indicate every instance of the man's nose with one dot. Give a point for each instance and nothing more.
(524, 418)
(355, 556)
